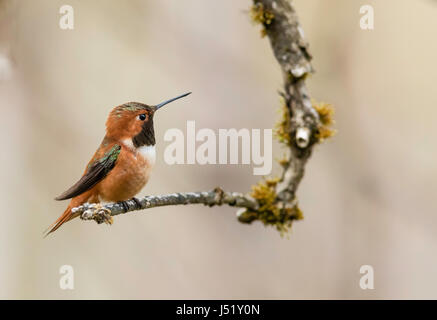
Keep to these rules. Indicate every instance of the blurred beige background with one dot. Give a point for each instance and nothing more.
(368, 195)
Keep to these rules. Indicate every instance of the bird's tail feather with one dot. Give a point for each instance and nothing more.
(66, 216)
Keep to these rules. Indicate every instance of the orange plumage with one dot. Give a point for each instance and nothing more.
(122, 164)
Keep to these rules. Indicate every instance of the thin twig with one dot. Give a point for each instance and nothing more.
(209, 198)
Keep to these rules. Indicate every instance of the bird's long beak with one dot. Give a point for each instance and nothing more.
(171, 100)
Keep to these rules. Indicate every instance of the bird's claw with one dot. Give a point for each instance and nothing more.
(98, 213)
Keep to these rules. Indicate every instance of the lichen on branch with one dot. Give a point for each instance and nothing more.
(269, 212)
(260, 15)
(282, 128)
(326, 115)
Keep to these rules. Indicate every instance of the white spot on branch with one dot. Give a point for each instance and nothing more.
(303, 137)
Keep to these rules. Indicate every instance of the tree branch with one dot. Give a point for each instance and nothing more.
(273, 202)
(92, 211)
(291, 51)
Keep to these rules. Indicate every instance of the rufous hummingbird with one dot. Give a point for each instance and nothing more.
(122, 164)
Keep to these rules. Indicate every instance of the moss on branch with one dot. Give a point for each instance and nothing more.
(260, 15)
(326, 115)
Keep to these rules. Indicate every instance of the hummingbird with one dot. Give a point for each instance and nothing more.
(122, 164)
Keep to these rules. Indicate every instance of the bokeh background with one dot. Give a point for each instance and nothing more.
(368, 195)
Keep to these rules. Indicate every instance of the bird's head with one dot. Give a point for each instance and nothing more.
(134, 120)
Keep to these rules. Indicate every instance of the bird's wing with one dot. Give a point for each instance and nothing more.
(97, 169)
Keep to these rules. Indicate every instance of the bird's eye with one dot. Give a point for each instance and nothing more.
(142, 117)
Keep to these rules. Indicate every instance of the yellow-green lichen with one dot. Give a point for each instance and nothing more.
(283, 161)
(298, 214)
(283, 126)
(262, 16)
(326, 115)
(269, 212)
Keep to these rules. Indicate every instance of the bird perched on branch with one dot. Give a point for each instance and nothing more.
(122, 164)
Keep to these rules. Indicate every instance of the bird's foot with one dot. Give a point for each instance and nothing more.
(98, 213)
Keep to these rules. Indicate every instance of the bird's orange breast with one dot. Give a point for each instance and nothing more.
(130, 174)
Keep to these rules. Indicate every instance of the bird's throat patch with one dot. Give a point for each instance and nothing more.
(146, 137)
